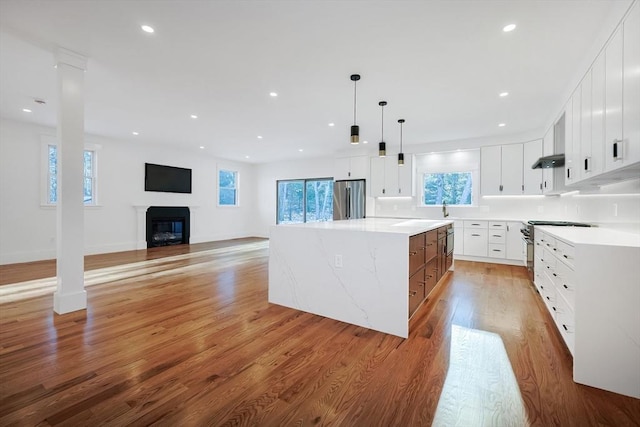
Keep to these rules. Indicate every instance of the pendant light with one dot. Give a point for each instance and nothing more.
(355, 129)
(382, 146)
(401, 154)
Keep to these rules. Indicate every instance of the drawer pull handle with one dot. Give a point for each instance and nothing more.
(565, 327)
(554, 309)
(541, 287)
(555, 275)
(475, 224)
(497, 235)
(413, 253)
(548, 298)
(475, 235)
(565, 286)
(413, 293)
(496, 250)
(566, 256)
(554, 249)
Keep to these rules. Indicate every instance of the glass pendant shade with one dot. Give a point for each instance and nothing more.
(401, 154)
(382, 149)
(400, 159)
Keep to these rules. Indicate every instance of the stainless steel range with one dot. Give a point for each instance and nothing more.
(527, 231)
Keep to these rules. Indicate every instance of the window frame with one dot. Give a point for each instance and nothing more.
(465, 160)
(236, 188)
(304, 182)
(47, 141)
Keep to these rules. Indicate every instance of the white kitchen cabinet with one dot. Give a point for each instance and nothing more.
(573, 127)
(613, 99)
(592, 156)
(354, 167)
(582, 147)
(515, 245)
(388, 179)
(547, 150)
(476, 235)
(501, 169)
(531, 178)
(458, 237)
(631, 85)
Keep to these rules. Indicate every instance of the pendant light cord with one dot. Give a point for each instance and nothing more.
(382, 133)
(401, 137)
(355, 82)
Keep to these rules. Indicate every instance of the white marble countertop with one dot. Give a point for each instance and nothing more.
(593, 236)
(403, 226)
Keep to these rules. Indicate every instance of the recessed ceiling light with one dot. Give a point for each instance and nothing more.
(273, 94)
(135, 133)
(365, 142)
(202, 147)
(147, 29)
(331, 124)
(193, 116)
(259, 136)
(26, 110)
(300, 150)
(246, 157)
(501, 125)
(509, 27)
(503, 94)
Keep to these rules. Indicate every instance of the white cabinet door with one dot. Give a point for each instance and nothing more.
(547, 150)
(490, 170)
(595, 163)
(572, 139)
(613, 100)
(458, 238)
(516, 246)
(376, 186)
(406, 177)
(475, 242)
(531, 178)
(631, 85)
(391, 168)
(358, 166)
(511, 169)
(583, 150)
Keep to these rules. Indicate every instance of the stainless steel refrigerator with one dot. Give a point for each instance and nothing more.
(349, 199)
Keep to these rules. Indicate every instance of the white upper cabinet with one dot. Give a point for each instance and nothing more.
(631, 85)
(583, 147)
(388, 179)
(547, 150)
(355, 167)
(501, 169)
(532, 178)
(613, 100)
(593, 156)
(573, 128)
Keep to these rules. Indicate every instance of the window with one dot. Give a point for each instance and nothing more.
(449, 177)
(452, 188)
(304, 200)
(89, 169)
(227, 188)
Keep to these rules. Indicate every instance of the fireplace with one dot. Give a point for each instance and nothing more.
(167, 225)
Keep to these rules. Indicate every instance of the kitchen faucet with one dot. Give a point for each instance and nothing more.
(444, 209)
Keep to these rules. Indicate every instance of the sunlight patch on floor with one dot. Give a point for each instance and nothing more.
(156, 268)
(480, 388)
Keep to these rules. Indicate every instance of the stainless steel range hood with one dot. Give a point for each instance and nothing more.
(553, 161)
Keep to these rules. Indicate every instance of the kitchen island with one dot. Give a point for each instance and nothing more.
(371, 272)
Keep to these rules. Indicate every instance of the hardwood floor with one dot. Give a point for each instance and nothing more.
(185, 336)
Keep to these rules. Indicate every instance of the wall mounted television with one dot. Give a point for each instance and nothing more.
(168, 179)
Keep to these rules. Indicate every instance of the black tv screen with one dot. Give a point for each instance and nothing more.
(167, 179)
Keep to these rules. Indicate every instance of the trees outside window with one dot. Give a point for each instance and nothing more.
(304, 200)
(227, 188)
(89, 169)
(452, 188)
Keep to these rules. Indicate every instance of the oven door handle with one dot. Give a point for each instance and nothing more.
(527, 241)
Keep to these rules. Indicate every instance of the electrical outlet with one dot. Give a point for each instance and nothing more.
(338, 261)
(615, 209)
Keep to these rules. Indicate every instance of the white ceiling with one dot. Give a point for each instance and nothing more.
(439, 64)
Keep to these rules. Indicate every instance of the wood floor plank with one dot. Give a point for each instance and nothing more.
(185, 336)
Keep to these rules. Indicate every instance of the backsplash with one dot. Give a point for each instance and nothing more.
(615, 206)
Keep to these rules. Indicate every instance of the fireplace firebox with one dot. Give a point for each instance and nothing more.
(167, 225)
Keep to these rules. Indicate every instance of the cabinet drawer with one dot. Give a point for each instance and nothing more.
(549, 242)
(416, 291)
(416, 252)
(565, 283)
(565, 321)
(496, 250)
(497, 225)
(476, 224)
(475, 242)
(497, 236)
(430, 276)
(565, 252)
(431, 245)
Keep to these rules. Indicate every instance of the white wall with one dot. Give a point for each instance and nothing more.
(28, 230)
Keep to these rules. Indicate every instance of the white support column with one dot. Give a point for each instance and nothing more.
(70, 294)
